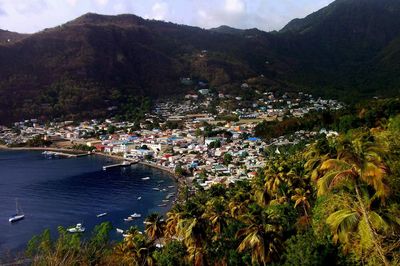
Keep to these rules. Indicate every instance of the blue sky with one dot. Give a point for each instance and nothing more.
(33, 15)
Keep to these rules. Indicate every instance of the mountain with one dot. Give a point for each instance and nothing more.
(9, 37)
(79, 69)
(339, 45)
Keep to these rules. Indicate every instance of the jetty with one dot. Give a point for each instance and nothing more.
(123, 164)
(64, 154)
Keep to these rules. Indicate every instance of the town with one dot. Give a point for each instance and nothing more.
(183, 136)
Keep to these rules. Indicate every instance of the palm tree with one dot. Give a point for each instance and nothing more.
(357, 227)
(262, 237)
(193, 232)
(217, 214)
(171, 226)
(154, 226)
(359, 164)
(301, 197)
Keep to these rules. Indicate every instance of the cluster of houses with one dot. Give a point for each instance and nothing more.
(267, 106)
(222, 153)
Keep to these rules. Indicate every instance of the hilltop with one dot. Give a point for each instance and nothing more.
(348, 49)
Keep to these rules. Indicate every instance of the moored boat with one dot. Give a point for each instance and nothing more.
(136, 215)
(101, 214)
(19, 215)
(77, 229)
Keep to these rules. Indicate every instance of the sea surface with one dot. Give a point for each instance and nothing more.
(54, 192)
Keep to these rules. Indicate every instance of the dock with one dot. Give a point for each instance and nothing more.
(123, 164)
(63, 154)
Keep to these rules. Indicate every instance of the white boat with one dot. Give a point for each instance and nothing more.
(77, 229)
(162, 205)
(139, 198)
(19, 215)
(136, 215)
(126, 163)
(156, 188)
(165, 200)
(171, 186)
(120, 231)
(101, 214)
(146, 178)
(129, 219)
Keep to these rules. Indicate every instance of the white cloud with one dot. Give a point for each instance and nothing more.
(72, 2)
(102, 2)
(235, 6)
(159, 10)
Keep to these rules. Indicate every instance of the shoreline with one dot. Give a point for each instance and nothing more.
(71, 151)
(180, 181)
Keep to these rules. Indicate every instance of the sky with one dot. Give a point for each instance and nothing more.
(28, 16)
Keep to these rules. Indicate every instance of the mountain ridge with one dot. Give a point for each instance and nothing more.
(343, 47)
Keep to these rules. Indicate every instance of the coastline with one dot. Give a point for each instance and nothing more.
(72, 151)
(181, 181)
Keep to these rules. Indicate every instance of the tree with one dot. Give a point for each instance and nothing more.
(227, 158)
(154, 226)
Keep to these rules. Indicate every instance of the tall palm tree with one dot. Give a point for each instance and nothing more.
(193, 232)
(154, 226)
(301, 197)
(356, 227)
(171, 225)
(217, 214)
(359, 164)
(262, 237)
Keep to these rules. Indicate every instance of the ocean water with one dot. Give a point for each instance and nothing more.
(53, 192)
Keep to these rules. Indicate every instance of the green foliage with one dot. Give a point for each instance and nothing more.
(38, 141)
(172, 254)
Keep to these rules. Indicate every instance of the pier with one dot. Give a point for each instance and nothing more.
(123, 164)
(63, 154)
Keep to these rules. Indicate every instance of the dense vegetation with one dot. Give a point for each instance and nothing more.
(347, 50)
(333, 202)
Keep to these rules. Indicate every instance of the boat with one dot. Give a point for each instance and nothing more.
(162, 205)
(156, 188)
(129, 219)
(165, 200)
(136, 215)
(101, 214)
(77, 229)
(139, 198)
(120, 231)
(126, 163)
(163, 190)
(19, 215)
(171, 186)
(146, 178)
(161, 181)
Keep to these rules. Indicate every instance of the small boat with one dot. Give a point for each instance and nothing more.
(19, 215)
(129, 219)
(126, 163)
(101, 214)
(161, 181)
(171, 186)
(136, 215)
(77, 229)
(120, 231)
(156, 188)
(146, 178)
(139, 198)
(146, 222)
(162, 205)
(165, 200)
(163, 190)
